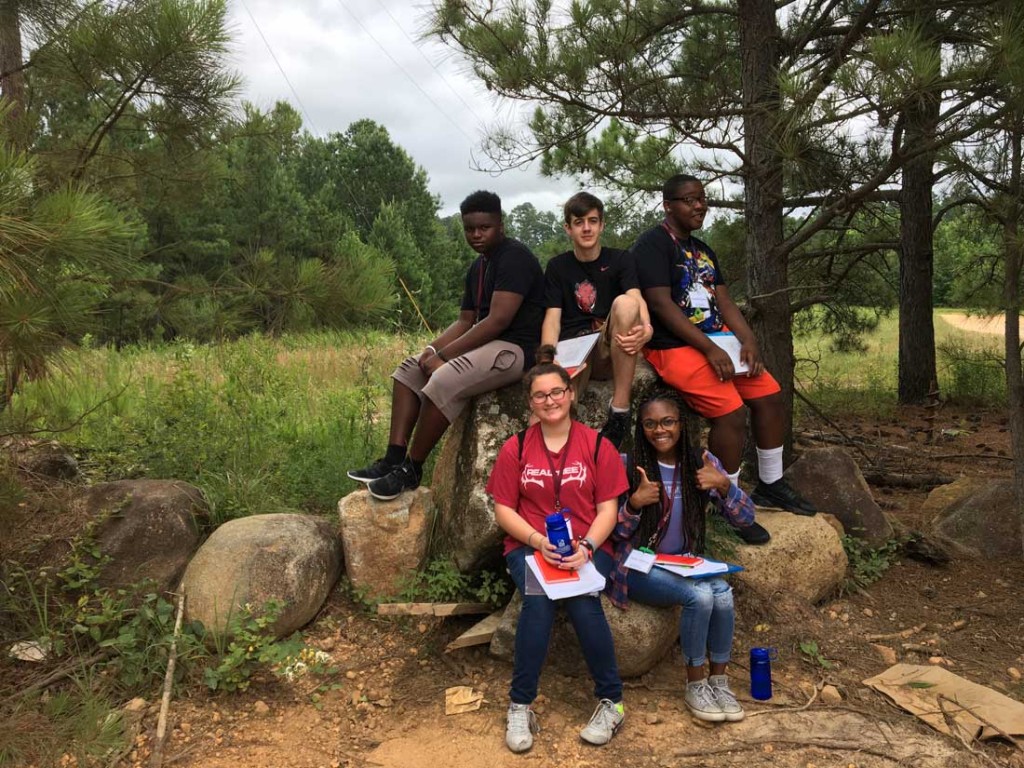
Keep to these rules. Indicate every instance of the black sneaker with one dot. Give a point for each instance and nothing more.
(616, 428)
(402, 478)
(781, 495)
(754, 534)
(375, 471)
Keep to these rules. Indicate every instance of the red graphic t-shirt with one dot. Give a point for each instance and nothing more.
(525, 485)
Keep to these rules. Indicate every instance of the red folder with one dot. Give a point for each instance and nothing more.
(687, 561)
(551, 574)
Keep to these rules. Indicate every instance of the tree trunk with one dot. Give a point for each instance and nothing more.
(12, 77)
(767, 263)
(917, 329)
(1011, 300)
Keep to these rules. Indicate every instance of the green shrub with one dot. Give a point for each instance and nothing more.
(972, 374)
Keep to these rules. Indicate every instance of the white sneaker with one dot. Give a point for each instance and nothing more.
(520, 725)
(700, 700)
(603, 723)
(726, 699)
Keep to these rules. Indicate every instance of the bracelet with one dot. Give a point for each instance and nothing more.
(432, 348)
(529, 539)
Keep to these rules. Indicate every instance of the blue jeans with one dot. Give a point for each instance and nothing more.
(708, 618)
(533, 633)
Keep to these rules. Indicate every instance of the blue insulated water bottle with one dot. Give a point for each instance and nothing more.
(558, 533)
(761, 672)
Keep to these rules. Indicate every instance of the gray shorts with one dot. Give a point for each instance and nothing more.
(494, 365)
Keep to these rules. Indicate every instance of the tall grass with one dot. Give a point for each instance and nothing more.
(864, 382)
(259, 424)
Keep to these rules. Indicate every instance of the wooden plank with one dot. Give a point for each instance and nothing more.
(478, 634)
(431, 609)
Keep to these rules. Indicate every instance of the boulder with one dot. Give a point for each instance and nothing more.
(293, 560)
(384, 541)
(804, 559)
(979, 516)
(147, 528)
(466, 514)
(42, 461)
(643, 634)
(831, 480)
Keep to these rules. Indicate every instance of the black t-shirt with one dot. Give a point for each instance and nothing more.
(509, 267)
(690, 269)
(585, 290)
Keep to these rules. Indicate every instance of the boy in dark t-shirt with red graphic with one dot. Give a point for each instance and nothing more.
(488, 347)
(684, 288)
(593, 288)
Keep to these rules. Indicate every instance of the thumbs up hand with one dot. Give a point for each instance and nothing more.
(710, 477)
(648, 492)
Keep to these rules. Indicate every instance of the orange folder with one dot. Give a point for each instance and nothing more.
(687, 561)
(551, 574)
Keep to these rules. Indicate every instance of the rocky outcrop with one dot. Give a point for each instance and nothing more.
(384, 541)
(831, 480)
(145, 529)
(978, 516)
(293, 560)
(804, 559)
(643, 634)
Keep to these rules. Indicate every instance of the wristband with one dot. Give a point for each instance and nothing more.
(432, 348)
(587, 545)
(529, 539)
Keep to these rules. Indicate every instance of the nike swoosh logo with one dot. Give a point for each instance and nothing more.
(602, 269)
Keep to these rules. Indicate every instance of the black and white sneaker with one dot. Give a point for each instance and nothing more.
(755, 533)
(616, 428)
(402, 478)
(375, 471)
(781, 495)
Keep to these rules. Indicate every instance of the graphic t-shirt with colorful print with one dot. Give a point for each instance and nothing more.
(689, 268)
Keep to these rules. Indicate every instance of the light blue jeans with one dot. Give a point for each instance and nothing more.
(708, 618)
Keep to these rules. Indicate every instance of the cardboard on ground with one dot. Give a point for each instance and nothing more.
(729, 344)
(979, 712)
(572, 353)
(590, 581)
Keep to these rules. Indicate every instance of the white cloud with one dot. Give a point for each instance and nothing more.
(354, 59)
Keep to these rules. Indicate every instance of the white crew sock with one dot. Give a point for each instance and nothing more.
(769, 464)
(616, 409)
(734, 478)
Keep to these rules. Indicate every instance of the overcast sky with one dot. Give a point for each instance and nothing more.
(353, 59)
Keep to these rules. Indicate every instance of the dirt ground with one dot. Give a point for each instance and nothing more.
(388, 706)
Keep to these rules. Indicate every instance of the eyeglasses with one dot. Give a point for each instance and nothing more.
(688, 201)
(557, 395)
(667, 423)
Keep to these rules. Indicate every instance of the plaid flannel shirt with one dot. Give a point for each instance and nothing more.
(736, 507)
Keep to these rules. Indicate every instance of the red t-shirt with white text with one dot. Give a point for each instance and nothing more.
(525, 485)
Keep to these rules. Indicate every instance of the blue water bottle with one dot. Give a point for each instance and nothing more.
(558, 532)
(761, 672)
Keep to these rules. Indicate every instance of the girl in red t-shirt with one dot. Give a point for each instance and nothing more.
(560, 465)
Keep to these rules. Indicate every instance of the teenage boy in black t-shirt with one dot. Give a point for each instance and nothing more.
(683, 285)
(486, 348)
(592, 288)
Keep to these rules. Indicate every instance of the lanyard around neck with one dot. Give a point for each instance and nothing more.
(480, 285)
(556, 477)
(666, 508)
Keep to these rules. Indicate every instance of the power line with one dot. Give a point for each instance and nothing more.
(405, 72)
(280, 69)
(426, 58)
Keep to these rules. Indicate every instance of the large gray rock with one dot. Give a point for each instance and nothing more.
(643, 634)
(147, 528)
(831, 480)
(293, 560)
(804, 559)
(468, 530)
(384, 541)
(979, 516)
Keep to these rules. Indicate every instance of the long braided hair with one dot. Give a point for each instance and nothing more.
(695, 502)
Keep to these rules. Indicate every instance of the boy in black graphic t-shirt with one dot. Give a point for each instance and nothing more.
(488, 347)
(592, 288)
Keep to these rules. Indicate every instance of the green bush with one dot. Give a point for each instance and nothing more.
(972, 374)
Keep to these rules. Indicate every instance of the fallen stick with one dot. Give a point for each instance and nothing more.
(984, 721)
(903, 634)
(60, 674)
(157, 758)
(814, 695)
(431, 609)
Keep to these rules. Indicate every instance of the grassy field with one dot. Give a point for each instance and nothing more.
(263, 424)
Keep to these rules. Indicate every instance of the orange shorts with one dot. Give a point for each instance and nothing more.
(686, 370)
